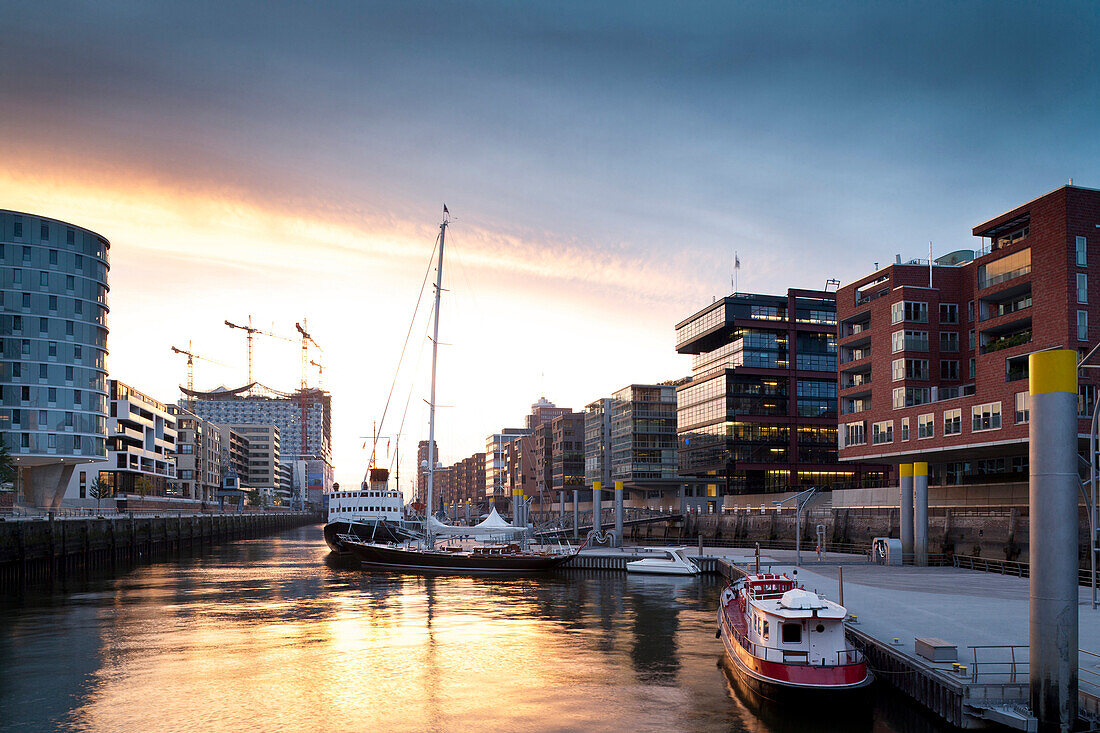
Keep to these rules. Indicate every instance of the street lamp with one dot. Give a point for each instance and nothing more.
(800, 499)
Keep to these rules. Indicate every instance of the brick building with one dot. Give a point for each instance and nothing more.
(933, 356)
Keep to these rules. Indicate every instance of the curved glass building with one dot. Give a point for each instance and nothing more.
(53, 326)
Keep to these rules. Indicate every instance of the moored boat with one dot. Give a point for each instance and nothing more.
(781, 638)
(373, 513)
(669, 561)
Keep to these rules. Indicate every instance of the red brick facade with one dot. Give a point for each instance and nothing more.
(1023, 289)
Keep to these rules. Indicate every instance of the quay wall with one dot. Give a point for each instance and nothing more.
(44, 550)
(985, 532)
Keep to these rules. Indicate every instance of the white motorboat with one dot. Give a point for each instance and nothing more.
(668, 561)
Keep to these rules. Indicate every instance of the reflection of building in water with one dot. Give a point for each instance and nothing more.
(656, 615)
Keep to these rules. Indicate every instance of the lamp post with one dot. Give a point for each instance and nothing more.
(800, 499)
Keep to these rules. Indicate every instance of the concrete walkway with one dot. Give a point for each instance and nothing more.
(962, 607)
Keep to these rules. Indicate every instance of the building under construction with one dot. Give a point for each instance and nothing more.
(304, 419)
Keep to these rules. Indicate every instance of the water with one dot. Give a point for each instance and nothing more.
(266, 635)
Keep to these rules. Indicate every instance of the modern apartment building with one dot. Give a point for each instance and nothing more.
(421, 474)
(496, 475)
(53, 325)
(141, 447)
(597, 442)
(263, 456)
(244, 407)
(234, 455)
(567, 436)
(934, 356)
(198, 457)
(759, 414)
(543, 412)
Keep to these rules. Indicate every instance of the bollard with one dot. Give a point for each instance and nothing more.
(1052, 454)
(700, 544)
(905, 502)
(597, 506)
(920, 514)
(619, 513)
(576, 513)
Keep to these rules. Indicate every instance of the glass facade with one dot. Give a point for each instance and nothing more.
(53, 336)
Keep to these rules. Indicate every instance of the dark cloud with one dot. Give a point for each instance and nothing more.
(783, 127)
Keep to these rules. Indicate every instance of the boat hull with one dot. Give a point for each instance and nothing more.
(365, 532)
(776, 680)
(400, 558)
(654, 569)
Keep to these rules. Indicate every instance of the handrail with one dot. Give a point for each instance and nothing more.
(850, 656)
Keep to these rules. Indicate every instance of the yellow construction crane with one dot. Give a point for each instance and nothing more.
(191, 356)
(251, 330)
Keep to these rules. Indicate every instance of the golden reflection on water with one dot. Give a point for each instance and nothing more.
(265, 636)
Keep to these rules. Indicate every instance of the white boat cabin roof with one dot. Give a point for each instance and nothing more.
(778, 595)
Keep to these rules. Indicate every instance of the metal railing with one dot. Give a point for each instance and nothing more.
(1009, 567)
(1007, 666)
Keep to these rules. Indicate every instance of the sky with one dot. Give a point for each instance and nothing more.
(602, 163)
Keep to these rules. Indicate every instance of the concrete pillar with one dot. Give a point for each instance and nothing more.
(597, 506)
(905, 501)
(1052, 453)
(619, 513)
(44, 486)
(683, 500)
(920, 513)
(517, 512)
(561, 506)
(576, 513)
(467, 512)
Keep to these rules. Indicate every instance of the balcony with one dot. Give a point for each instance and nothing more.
(849, 355)
(1007, 341)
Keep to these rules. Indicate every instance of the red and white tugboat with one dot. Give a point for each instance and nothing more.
(781, 638)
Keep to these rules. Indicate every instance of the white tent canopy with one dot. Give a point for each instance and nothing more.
(492, 526)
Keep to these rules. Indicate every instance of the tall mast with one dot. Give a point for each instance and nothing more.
(431, 404)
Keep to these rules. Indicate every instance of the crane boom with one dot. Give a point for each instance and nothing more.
(250, 331)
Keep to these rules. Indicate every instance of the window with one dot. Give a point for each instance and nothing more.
(897, 340)
(949, 369)
(882, 432)
(26, 300)
(19, 230)
(916, 369)
(925, 426)
(949, 313)
(1082, 288)
(53, 256)
(910, 396)
(1004, 269)
(898, 369)
(68, 328)
(905, 428)
(70, 237)
(855, 433)
(70, 283)
(970, 340)
(1081, 254)
(952, 421)
(1082, 325)
(44, 279)
(792, 633)
(949, 341)
(1023, 414)
(986, 417)
(765, 629)
(52, 349)
(972, 369)
(1086, 399)
(17, 276)
(909, 311)
(970, 311)
(52, 303)
(44, 231)
(1016, 368)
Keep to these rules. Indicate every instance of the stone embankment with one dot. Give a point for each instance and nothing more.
(33, 550)
(995, 534)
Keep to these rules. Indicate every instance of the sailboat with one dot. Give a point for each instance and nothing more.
(493, 545)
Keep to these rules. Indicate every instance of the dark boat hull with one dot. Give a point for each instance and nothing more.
(399, 558)
(369, 532)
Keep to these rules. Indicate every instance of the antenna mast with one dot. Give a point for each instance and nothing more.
(431, 403)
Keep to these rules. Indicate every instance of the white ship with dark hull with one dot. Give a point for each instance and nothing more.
(374, 513)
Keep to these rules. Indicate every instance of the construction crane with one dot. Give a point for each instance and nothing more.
(251, 330)
(191, 356)
(304, 393)
(320, 374)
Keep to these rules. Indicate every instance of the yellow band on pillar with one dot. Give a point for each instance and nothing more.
(906, 470)
(618, 486)
(1053, 371)
(596, 485)
(920, 468)
(517, 492)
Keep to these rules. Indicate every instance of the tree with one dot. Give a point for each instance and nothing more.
(143, 486)
(254, 497)
(7, 466)
(98, 491)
